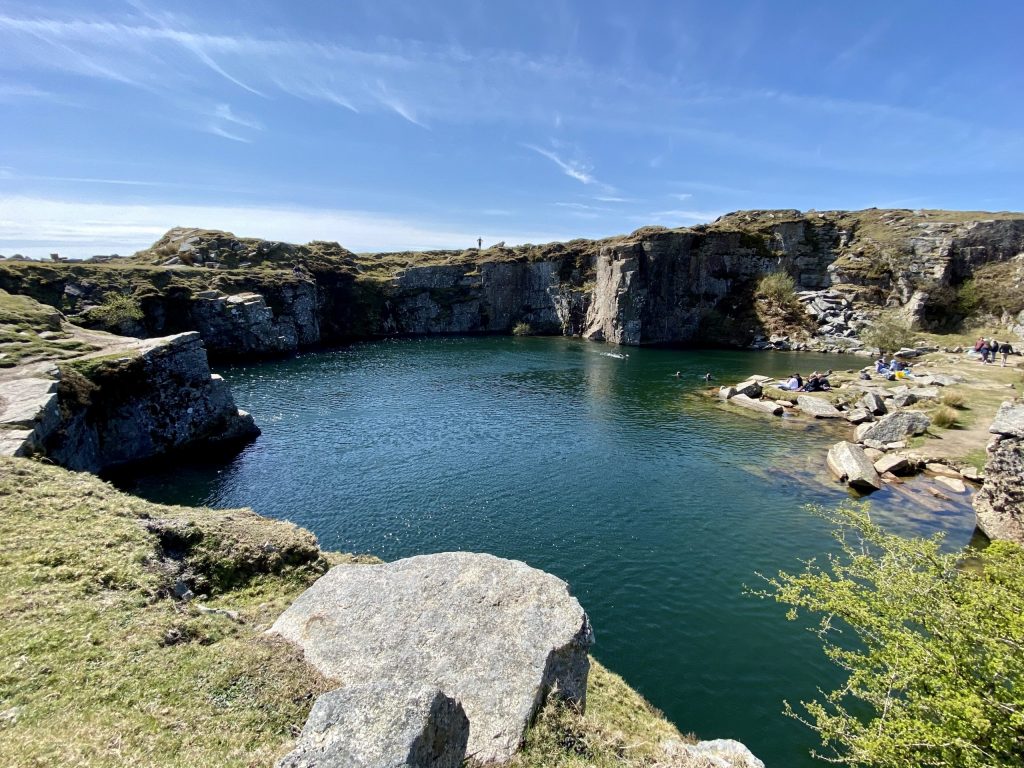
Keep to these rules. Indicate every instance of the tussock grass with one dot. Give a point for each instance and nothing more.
(953, 398)
(32, 331)
(944, 417)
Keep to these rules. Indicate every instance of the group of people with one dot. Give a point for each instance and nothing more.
(816, 382)
(989, 348)
(892, 369)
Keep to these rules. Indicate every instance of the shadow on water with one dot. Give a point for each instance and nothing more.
(655, 502)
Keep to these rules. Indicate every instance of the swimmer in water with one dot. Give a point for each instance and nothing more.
(677, 374)
(707, 376)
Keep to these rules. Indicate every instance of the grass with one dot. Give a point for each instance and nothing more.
(30, 331)
(944, 417)
(619, 729)
(89, 676)
(100, 666)
(522, 329)
(953, 398)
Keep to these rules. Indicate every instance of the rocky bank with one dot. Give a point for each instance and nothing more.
(1000, 502)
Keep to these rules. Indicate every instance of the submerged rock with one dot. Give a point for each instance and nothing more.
(762, 406)
(848, 462)
(382, 725)
(497, 635)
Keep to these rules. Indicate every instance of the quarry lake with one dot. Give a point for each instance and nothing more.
(656, 503)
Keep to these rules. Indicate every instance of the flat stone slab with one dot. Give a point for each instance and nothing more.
(382, 725)
(762, 406)
(494, 634)
(23, 401)
(818, 407)
(848, 462)
(1009, 420)
(954, 484)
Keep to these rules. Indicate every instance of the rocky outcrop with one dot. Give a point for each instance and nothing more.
(494, 634)
(148, 401)
(382, 725)
(242, 325)
(999, 504)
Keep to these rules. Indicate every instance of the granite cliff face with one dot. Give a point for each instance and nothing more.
(254, 298)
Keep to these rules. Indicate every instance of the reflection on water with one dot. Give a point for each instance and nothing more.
(655, 502)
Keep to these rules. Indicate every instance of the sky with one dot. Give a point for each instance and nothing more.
(406, 125)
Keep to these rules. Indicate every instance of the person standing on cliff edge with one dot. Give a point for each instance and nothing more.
(479, 243)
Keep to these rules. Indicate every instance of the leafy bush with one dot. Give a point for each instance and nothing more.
(944, 417)
(888, 333)
(116, 310)
(522, 329)
(934, 648)
(777, 286)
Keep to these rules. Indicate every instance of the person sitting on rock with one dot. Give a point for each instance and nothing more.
(823, 382)
(792, 384)
(881, 366)
(1005, 350)
(813, 383)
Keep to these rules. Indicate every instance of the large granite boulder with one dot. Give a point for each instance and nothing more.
(494, 634)
(895, 427)
(761, 406)
(999, 504)
(383, 724)
(818, 407)
(716, 753)
(848, 462)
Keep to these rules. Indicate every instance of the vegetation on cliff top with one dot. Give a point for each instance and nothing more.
(30, 331)
(933, 643)
(100, 665)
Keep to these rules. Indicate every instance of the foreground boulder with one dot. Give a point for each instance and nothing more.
(999, 504)
(717, 753)
(382, 725)
(848, 462)
(494, 634)
(895, 427)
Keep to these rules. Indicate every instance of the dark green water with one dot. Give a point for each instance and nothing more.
(656, 504)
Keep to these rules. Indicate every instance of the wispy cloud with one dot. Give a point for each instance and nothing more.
(37, 226)
(682, 195)
(224, 122)
(614, 199)
(677, 217)
(572, 169)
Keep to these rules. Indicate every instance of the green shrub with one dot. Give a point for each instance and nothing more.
(522, 329)
(777, 286)
(888, 332)
(116, 309)
(932, 645)
(944, 417)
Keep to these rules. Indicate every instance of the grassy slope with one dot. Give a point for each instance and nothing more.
(100, 667)
(31, 331)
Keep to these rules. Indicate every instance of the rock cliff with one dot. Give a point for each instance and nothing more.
(1000, 502)
(148, 399)
(693, 285)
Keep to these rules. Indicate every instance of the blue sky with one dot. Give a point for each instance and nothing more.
(389, 125)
